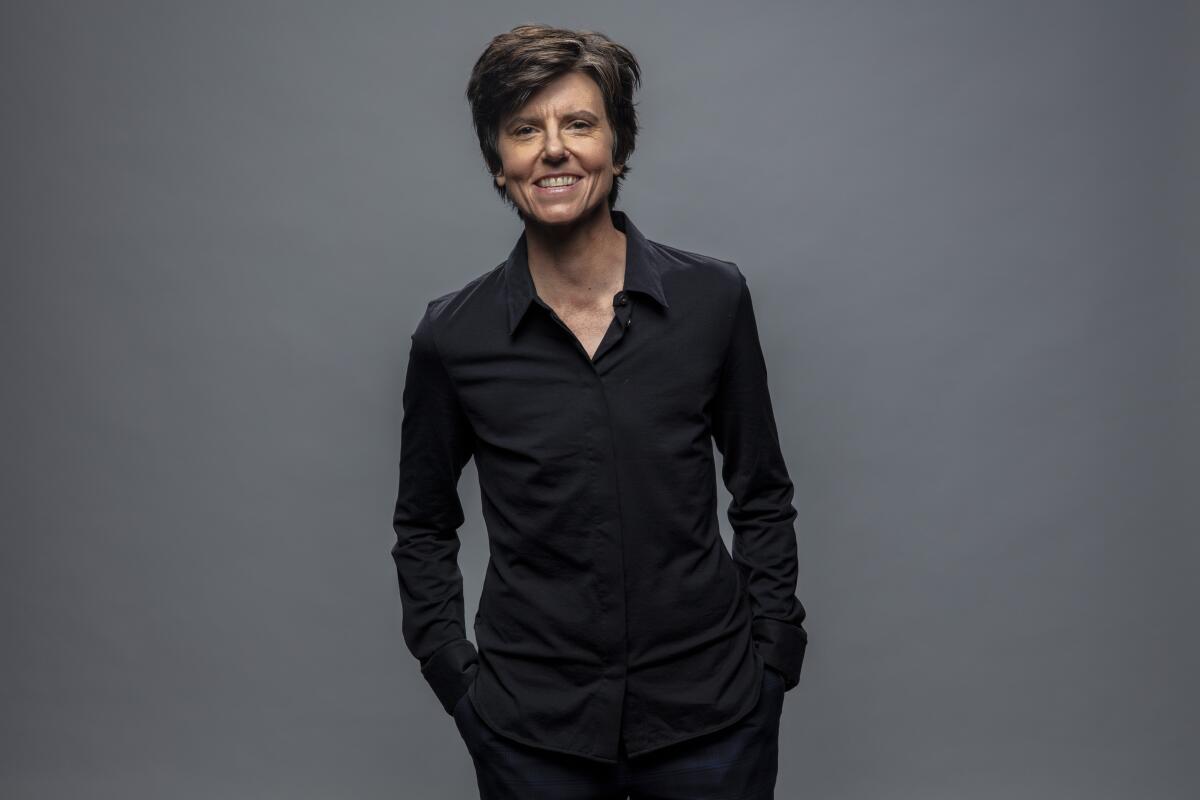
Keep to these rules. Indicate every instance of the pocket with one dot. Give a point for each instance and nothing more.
(774, 677)
(780, 690)
(473, 670)
(462, 721)
(460, 702)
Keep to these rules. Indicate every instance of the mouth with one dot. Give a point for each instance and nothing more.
(557, 184)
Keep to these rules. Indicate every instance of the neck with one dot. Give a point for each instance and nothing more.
(576, 265)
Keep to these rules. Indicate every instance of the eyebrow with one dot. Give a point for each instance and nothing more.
(578, 112)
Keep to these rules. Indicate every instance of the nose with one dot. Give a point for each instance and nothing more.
(554, 149)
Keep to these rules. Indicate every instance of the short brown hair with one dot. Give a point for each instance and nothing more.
(518, 63)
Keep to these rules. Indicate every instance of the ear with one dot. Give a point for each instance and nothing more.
(500, 178)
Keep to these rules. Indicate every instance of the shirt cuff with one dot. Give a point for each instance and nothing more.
(450, 671)
(782, 647)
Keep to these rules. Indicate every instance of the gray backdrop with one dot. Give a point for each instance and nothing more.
(965, 227)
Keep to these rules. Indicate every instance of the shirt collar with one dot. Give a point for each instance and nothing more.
(641, 270)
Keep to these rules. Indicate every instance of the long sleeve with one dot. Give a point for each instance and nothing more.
(436, 443)
(761, 511)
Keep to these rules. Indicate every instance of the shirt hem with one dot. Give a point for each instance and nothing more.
(540, 745)
(738, 717)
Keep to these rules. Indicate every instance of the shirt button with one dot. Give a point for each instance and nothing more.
(622, 299)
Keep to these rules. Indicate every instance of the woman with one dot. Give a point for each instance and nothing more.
(622, 651)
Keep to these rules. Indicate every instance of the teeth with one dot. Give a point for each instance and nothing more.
(562, 180)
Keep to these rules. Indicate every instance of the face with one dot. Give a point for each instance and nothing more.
(563, 130)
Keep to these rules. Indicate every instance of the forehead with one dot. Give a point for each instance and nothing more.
(574, 90)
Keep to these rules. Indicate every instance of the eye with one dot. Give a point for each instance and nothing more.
(584, 123)
(522, 128)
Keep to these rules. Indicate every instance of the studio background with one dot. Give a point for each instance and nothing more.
(970, 231)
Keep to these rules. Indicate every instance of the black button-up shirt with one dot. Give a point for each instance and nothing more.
(610, 605)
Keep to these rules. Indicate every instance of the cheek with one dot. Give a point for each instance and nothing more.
(596, 156)
(516, 164)
(600, 164)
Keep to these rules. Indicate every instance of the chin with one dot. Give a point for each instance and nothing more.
(564, 218)
(551, 218)
(558, 219)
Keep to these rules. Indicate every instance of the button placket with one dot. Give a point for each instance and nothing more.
(609, 483)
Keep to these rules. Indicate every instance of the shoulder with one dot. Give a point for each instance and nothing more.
(717, 283)
(459, 305)
(693, 264)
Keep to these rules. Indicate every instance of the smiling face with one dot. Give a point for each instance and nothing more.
(562, 131)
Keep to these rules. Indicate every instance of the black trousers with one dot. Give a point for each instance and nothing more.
(738, 762)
